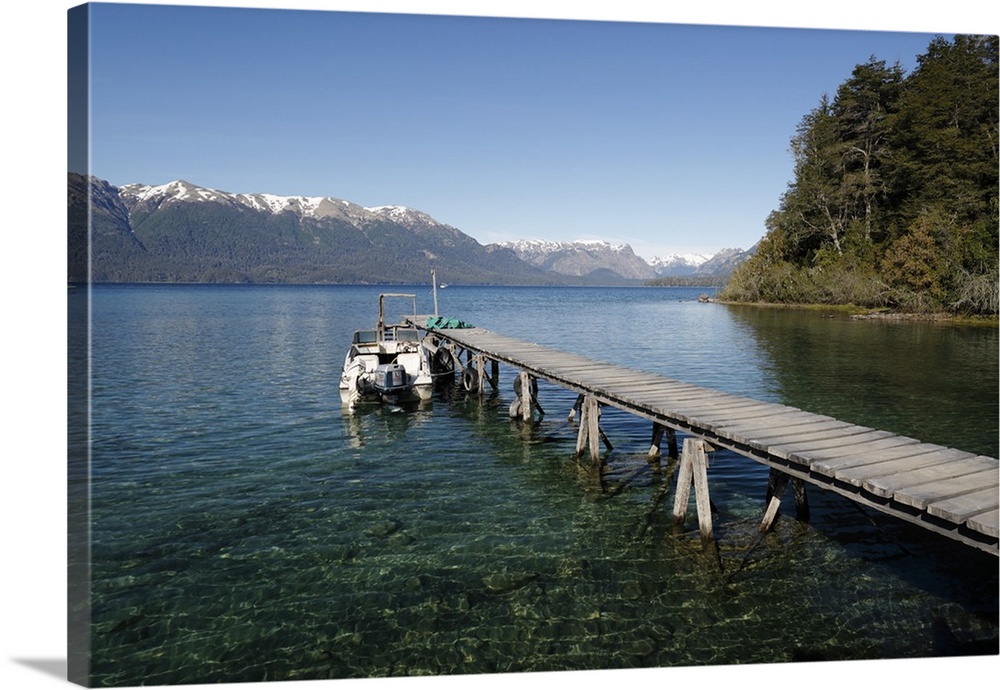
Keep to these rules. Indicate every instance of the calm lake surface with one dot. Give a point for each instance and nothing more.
(245, 527)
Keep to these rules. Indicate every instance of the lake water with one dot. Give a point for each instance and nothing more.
(245, 527)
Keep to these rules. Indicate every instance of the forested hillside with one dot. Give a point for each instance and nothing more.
(894, 197)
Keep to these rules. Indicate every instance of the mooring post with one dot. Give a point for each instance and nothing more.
(694, 470)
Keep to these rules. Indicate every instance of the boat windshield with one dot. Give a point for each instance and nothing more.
(372, 336)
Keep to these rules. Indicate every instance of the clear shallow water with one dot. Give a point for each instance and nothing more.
(246, 528)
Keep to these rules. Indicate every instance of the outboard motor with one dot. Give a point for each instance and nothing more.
(391, 379)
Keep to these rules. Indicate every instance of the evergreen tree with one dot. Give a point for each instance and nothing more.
(894, 196)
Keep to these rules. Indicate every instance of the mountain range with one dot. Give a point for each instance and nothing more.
(182, 232)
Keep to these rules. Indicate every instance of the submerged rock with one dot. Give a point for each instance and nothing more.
(497, 583)
(384, 529)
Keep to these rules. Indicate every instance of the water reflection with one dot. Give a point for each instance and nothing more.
(934, 382)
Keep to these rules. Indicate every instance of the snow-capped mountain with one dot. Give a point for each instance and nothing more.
(582, 258)
(156, 196)
(678, 264)
(596, 258)
(725, 260)
(181, 231)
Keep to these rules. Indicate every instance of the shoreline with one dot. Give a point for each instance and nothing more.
(868, 314)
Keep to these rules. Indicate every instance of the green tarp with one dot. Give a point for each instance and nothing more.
(447, 322)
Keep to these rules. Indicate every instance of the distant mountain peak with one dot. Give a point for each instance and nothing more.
(183, 191)
(547, 246)
(582, 258)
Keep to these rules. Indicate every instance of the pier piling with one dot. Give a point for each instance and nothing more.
(693, 470)
(944, 490)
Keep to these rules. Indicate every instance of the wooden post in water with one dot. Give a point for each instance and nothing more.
(654, 444)
(526, 389)
(525, 396)
(594, 430)
(576, 407)
(654, 447)
(776, 483)
(589, 435)
(481, 374)
(694, 470)
(801, 499)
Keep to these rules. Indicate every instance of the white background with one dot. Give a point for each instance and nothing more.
(34, 182)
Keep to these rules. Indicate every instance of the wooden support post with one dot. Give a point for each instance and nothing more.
(481, 375)
(671, 443)
(534, 395)
(776, 483)
(590, 430)
(694, 470)
(605, 439)
(594, 430)
(495, 374)
(801, 500)
(525, 396)
(654, 444)
(576, 407)
(526, 390)
(581, 435)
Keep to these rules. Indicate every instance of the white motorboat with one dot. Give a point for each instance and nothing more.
(392, 363)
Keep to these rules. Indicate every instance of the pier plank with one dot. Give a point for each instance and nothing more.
(947, 484)
(763, 439)
(964, 506)
(923, 495)
(952, 463)
(862, 462)
(854, 443)
(987, 523)
(907, 458)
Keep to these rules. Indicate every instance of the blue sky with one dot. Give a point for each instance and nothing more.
(671, 137)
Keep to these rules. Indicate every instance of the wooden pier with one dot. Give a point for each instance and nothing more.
(951, 492)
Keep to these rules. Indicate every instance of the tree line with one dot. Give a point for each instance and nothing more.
(893, 201)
